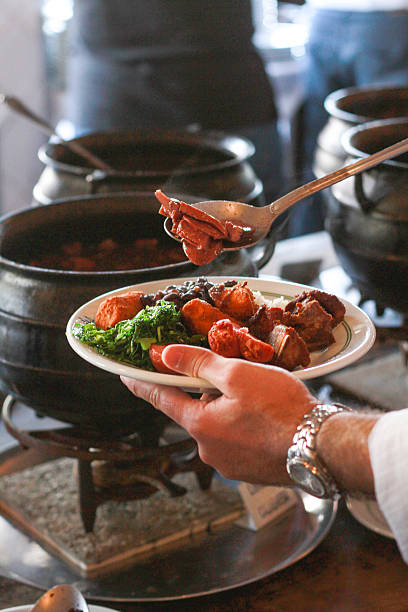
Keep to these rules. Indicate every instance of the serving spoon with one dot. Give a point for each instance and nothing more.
(20, 108)
(261, 218)
(61, 598)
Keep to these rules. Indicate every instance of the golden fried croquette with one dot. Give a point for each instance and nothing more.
(223, 340)
(199, 316)
(237, 301)
(252, 348)
(118, 308)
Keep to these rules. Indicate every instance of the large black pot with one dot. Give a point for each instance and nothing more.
(353, 106)
(209, 165)
(367, 216)
(37, 365)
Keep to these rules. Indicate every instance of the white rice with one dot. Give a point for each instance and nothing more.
(279, 302)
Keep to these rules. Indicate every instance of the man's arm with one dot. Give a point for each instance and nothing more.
(245, 431)
(342, 444)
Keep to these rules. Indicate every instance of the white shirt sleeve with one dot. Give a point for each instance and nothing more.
(388, 447)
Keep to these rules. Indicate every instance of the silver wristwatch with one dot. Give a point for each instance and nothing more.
(303, 464)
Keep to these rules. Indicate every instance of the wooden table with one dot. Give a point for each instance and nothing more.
(352, 569)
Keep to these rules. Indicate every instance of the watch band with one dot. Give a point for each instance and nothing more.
(303, 464)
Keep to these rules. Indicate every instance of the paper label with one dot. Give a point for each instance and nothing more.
(264, 504)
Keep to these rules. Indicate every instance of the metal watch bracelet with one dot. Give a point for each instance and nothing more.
(316, 478)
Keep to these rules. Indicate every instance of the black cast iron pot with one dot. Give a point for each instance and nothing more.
(367, 216)
(353, 106)
(206, 164)
(37, 366)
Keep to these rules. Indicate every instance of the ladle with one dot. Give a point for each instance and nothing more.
(261, 218)
(74, 146)
(61, 598)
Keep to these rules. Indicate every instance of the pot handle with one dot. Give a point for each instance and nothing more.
(365, 203)
(263, 251)
(97, 178)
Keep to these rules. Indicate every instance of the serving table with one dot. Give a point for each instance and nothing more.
(354, 567)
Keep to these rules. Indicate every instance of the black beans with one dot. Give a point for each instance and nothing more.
(181, 294)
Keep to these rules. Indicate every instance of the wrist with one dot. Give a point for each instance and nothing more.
(342, 444)
(305, 466)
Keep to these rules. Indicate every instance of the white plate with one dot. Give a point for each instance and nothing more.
(368, 513)
(353, 337)
(28, 607)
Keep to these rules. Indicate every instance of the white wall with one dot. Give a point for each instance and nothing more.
(22, 74)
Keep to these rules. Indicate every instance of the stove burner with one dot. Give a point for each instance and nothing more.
(107, 468)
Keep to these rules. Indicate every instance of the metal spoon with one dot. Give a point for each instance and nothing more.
(261, 218)
(75, 147)
(61, 598)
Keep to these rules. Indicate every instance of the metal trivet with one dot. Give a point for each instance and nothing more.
(141, 470)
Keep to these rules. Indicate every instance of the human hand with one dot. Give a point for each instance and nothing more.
(245, 431)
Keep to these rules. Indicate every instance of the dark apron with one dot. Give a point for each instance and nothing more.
(171, 64)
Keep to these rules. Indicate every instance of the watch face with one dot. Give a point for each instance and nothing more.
(305, 479)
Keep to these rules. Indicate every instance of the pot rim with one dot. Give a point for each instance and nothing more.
(372, 126)
(237, 147)
(331, 103)
(170, 270)
(32, 210)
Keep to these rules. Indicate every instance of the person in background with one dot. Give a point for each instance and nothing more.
(179, 64)
(352, 43)
(247, 432)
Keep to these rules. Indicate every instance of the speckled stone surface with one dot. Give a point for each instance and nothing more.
(46, 497)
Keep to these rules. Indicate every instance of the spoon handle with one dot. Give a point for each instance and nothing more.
(22, 109)
(281, 204)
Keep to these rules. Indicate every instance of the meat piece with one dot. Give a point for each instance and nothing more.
(188, 227)
(118, 308)
(187, 230)
(229, 340)
(202, 256)
(199, 316)
(252, 348)
(290, 350)
(329, 302)
(171, 207)
(201, 233)
(237, 301)
(313, 323)
(264, 320)
(236, 233)
(223, 339)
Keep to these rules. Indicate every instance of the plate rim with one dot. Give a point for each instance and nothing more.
(190, 383)
(358, 509)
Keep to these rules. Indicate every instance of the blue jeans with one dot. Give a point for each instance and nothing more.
(345, 49)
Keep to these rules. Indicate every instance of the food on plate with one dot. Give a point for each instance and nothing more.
(229, 318)
(108, 255)
(130, 340)
(223, 340)
(290, 350)
(264, 320)
(237, 301)
(201, 234)
(200, 316)
(230, 340)
(314, 314)
(117, 308)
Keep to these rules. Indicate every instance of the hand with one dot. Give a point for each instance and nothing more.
(245, 431)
